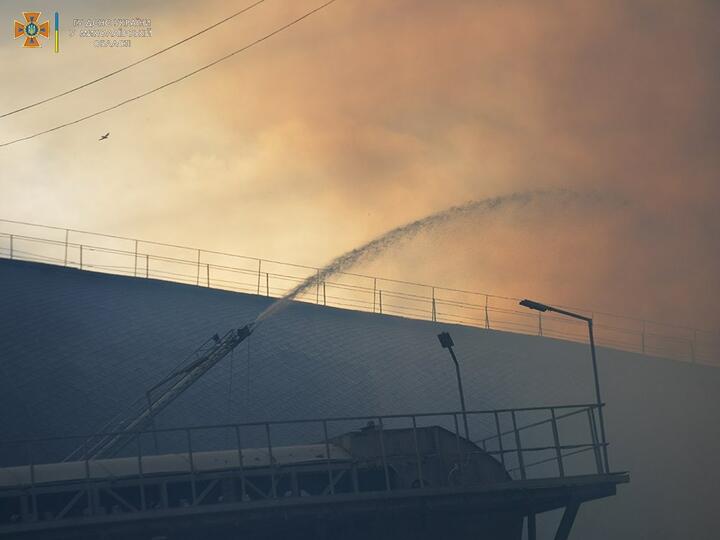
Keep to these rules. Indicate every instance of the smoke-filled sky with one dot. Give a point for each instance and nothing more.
(373, 113)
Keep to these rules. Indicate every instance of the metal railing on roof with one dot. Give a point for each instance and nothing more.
(205, 268)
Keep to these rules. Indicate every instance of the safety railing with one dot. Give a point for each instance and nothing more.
(206, 268)
(296, 458)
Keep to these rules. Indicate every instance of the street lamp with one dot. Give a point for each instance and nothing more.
(537, 306)
(447, 343)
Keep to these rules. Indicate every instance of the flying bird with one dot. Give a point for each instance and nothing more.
(103, 137)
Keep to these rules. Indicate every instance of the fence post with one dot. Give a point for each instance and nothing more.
(434, 312)
(331, 480)
(207, 266)
(81, 253)
(499, 437)
(487, 316)
(317, 288)
(556, 439)
(259, 273)
(192, 468)
(540, 333)
(324, 295)
(88, 484)
(241, 465)
(67, 236)
(267, 283)
(31, 460)
(197, 281)
(518, 447)
(380, 301)
(147, 266)
(417, 453)
(461, 457)
(595, 440)
(11, 247)
(271, 461)
(143, 504)
(382, 453)
(375, 295)
(136, 254)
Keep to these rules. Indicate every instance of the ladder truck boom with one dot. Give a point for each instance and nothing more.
(124, 429)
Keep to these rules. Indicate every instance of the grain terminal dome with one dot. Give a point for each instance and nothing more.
(77, 346)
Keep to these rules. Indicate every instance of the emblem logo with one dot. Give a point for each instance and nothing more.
(32, 29)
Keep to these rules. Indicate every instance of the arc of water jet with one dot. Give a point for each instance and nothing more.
(378, 245)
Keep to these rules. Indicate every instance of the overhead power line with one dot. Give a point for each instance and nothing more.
(174, 81)
(125, 68)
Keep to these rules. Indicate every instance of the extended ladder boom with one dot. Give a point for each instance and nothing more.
(125, 430)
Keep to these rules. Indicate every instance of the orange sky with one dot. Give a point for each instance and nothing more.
(374, 113)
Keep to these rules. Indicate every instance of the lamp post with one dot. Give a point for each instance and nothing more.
(447, 343)
(537, 306)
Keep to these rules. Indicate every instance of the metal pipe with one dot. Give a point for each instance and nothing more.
(192, 467)
(459, 446)
(382, 453)
(417, 453)
(598, 398)
(460, 390)
(143, 503)
(33, 497)
(499, 437)
(272, 461)
(327, 455)
(594, 439)
(243, 492)
(518, 447)
(556, 440)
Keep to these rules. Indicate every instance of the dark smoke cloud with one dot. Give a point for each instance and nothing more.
(377, 113)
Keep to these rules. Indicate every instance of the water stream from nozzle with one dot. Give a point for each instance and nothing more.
(382, 243)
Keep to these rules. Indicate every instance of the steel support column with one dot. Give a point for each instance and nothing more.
(566, 523)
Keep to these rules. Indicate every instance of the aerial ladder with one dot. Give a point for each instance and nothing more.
(126, 427)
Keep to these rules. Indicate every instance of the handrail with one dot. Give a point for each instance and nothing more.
(262, 460)
(539, 423)
(512, 454)
(258, 423)
(371, 293)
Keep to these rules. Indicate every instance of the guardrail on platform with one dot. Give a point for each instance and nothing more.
(205, 268)
(530, 442)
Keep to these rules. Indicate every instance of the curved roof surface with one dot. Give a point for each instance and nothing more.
(76, 347)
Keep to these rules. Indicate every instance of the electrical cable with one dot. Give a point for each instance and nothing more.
(174, 81)
(125, 68)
